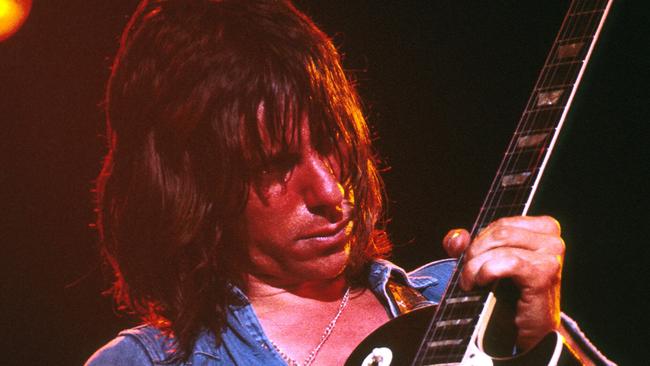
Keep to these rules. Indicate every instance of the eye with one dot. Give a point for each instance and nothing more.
(278, 170)
(337, 158)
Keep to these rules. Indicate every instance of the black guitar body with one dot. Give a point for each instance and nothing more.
(404, 334)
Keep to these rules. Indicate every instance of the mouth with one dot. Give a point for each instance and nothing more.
(330, 235)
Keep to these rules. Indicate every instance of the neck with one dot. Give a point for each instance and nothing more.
(268, 292)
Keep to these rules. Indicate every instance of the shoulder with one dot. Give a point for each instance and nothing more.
(143, 345)
(122, 351)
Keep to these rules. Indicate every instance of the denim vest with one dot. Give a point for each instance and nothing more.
(243, 339)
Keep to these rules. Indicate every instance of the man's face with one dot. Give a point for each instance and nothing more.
(297, 219)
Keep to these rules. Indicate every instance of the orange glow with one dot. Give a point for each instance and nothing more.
(12, 16)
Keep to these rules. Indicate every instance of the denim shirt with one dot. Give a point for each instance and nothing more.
(243, 339)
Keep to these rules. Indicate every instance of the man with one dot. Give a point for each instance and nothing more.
(239, 202)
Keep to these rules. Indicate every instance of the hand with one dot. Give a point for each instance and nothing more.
(530, 251)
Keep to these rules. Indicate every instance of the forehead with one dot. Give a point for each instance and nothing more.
(292, 128)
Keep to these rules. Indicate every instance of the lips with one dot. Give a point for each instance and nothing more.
(327, 233)
(324, 241)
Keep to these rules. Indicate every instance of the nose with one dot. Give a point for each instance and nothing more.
(323, 191)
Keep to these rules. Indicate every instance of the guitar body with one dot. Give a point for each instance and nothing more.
(396, 344)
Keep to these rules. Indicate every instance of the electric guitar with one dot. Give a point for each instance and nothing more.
(476, 327)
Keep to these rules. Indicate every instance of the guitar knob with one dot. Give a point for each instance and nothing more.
(378, 357)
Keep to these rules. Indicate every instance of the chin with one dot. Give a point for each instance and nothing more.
(328, 267)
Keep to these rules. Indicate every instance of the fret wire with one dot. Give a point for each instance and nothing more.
(575, 39)
(540, 120)
(550, 72)
(588, 12)
(532, 151)
(535, 131)
(509, 166)
(572, 62)
(496, 207)
(506, 189)
(534, 115)
(581, 27)
(568, 70)
(567, 23)
(497, 194)
(512, 195)
(461, 332)
(542, 78)
(572, 21)
(595, 4)
(552, 83)
(447, 357)
(544, 109)
(457, 311)
(520, 151)
(560, 75)
(510, 192)
(548, 88)
(523, 189)
(570, 24)
(454, 354)
(494, 214)
(519, 167)
(529, 152)
(465, 310)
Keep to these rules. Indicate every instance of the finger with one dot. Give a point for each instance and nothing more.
(456, 241)
(530, 270)
(509, 236)
(538, 224)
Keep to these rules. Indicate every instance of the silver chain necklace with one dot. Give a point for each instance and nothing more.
(326, 334)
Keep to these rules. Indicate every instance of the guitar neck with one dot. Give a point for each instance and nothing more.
(455, 324)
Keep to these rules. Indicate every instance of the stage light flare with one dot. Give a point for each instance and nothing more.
(13, 14)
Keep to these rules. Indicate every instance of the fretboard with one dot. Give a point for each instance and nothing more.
(454, 325)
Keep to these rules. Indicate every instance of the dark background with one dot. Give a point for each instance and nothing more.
(443, 83)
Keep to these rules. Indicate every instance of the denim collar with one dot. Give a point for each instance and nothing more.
(379, 273)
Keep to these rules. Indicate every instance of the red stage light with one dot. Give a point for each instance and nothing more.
(12, 16)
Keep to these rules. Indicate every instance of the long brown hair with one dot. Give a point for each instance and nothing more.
(182, 108)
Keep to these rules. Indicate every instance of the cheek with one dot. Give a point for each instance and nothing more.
(270, 219)
(256, 220)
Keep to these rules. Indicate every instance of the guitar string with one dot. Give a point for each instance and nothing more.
(530, 122)
(551, 76)
(502, 193)
(546, 81)
(545, 77)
